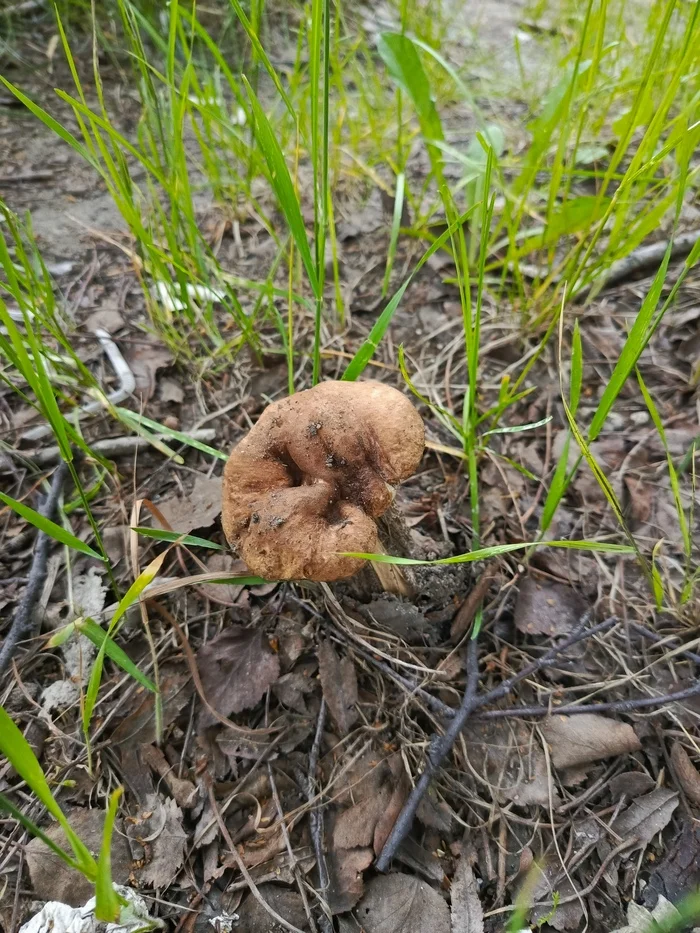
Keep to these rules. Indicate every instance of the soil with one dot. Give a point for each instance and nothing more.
(321, 703)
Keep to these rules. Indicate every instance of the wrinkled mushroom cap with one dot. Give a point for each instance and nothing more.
(311, 477)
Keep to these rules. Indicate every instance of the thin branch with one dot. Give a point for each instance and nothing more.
(316, 815)
(440, 746)
(23, 624)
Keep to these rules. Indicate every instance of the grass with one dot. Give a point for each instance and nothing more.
(531, 217)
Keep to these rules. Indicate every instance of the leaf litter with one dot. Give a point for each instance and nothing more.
(504, 799)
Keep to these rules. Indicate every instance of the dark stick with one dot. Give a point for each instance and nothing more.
(655, 637)
(442, 745)
(620, 706)
(316, 815)
(439, 748)
(23, 622)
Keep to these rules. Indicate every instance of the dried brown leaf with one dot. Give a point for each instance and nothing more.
(199, 509)
(345, 868)
(630, 784)
(686, 772)
(158, 840)
(288, 904)
(510, 758)
(339, 683)
(145, 358)
(139, 727)
(678, 874)
(53, 880)
(467, 912)
(545, 608)
(647, 816)
(579, 740)
(400, 903)
(236, 669)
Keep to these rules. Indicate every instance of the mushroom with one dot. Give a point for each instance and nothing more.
(309, 480)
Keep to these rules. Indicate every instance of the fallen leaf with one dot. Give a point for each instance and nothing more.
(434, 813)
(400, 903)
(236, 669)
(678, 874)
(640, 920)
(345, 868)
(630, 784)
(292, 689)
(339, 683)
(184, 792)
(510, 759)
(53, 880)
(199, 509)
(402, 618)
(158, 841)
(545, 608)
(377, 789)
(139, 727)
(467, 912)
(171, 391)
(366, 807)
(647, 816)
(686, 772)
(145, 358)
(566, 916)
(226, 594)
(294, 730)
(579, 740)
(255, 919)
(420, 861)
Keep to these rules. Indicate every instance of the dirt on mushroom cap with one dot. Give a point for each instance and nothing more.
(315, 471)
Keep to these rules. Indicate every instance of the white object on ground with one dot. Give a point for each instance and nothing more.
(127, 384)
(55, 917)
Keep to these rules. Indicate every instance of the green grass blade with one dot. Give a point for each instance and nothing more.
(131, 418)
(365, 353)
(100, 638)
(107, 902)
(31, 827)
(282, 184)
(57, 532)
(130, 597)
(262, 55)
(634, 345)
(576, 377)
(395, 230)
(557, 487)
(19, 753)
(495, 550)
(403, 63)
(160, 534)
(672, 472)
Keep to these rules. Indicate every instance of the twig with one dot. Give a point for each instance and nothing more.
(316, 815)
(23, 623)
(9, 181)
(467, 611)
(656, 638)
(439, 748)
(620, 706)
(115, 446)
(645, 257)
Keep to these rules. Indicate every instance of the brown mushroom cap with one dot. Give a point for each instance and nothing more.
(314, 473)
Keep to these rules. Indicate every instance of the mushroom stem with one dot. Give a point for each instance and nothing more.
(395, 539)
(393, 579)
